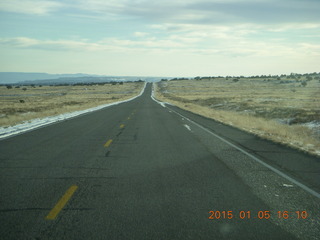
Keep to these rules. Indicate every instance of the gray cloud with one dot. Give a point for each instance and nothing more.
(262, 12)
(213, 12)
(34, 7)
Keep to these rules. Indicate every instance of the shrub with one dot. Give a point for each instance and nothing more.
(304, 83)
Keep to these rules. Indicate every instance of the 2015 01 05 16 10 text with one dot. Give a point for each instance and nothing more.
(263, 214)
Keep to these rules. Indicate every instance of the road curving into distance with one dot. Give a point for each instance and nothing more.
(144, 170)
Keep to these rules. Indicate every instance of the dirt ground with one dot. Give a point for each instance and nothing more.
(285, 110)
(24, 103)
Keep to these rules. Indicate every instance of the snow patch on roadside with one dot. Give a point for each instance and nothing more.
(314, 126)
(40, 122)
(163, 104)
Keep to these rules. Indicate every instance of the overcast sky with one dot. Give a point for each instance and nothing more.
(160, 37)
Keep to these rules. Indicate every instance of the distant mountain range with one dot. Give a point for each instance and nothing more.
(21, 78)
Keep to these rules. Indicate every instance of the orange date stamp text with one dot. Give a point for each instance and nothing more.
(263, 214)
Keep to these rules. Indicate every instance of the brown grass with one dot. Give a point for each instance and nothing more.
(38, 102)
(255, 106)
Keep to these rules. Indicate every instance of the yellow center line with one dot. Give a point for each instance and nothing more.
(122, 126)
(107, 144)
(62, 202)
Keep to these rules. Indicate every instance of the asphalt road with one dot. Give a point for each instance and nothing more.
(139, 170)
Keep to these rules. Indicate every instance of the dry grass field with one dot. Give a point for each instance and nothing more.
(285, 110)
(27, 102)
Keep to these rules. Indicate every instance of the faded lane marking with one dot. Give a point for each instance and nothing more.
(187, 127)
(287, 185)
(61, 203)
(107, 144)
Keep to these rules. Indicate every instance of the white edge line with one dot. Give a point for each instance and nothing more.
(304, 187)
(187, 127)
(163, 104)
(38, 123)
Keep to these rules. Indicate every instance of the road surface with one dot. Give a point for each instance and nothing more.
(143, 170)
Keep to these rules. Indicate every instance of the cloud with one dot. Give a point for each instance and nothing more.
(107, 44)
(185, 29)
(140, 34)
(196, 12)
(311, 49)
(51, 45)
(192, 43)
(37, 7)
(208, 12)
(262, 12)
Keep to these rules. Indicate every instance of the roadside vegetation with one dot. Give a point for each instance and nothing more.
(285, 108)
(23, 103)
